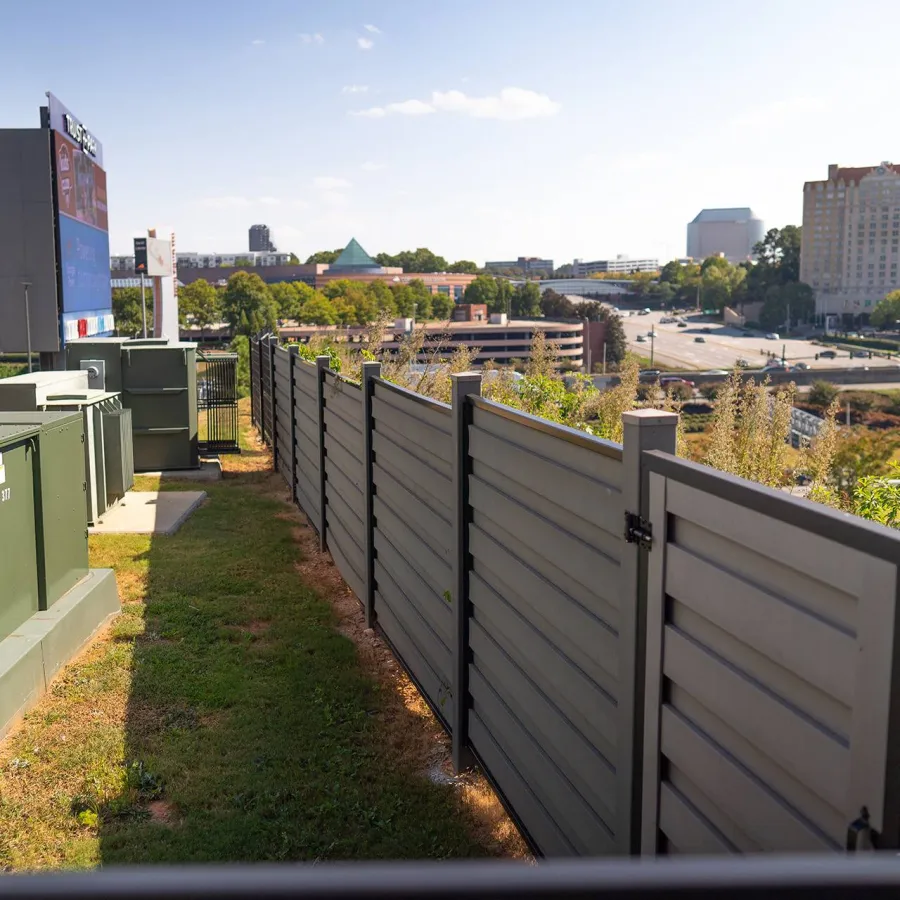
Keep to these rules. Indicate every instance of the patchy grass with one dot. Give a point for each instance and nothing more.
(227, 715)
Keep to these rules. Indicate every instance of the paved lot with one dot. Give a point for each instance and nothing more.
(723, 346)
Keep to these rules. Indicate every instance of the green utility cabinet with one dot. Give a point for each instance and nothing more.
(59, 508)
(159, 386)
(18, 533)
(107, 350)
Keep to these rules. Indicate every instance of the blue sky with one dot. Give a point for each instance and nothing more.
(484, 130)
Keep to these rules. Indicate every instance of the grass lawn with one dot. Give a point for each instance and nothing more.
(223, 717)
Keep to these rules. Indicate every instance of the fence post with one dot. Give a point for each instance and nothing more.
(643, 429)
(321, 367)
(463, 385)
(271, 346)
(370, 371)
(254, 399)
(293, 350)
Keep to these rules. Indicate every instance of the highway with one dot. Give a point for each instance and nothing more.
(723, 346)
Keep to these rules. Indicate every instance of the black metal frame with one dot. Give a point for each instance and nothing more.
(219, 400)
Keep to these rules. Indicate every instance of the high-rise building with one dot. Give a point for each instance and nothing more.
(260, 239)
(530, 265)
(731, 233)
(850, 246)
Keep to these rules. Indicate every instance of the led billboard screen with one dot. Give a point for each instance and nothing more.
(84, 265)
(80, 184)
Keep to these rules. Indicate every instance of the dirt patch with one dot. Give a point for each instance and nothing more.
(162, 813)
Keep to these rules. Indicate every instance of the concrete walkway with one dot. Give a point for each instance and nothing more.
(149, 512)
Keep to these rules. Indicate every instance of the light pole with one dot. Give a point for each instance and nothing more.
(143, 305)
(652, 344)
(26, 285)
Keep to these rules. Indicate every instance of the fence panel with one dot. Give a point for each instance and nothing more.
(255, 383)
(344, 500)
(770, 641)
(545, 589)
(412, 477)
(306, 434)
(284, 426)
(266, 390)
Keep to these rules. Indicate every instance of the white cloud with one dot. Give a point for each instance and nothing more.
(777, 113)
(225, 202)
(330, 183)
(509, 104)
(372, 28)
(257, 43)
(312, 38)
(318, 38)
(354, 89)
(268, 201)
(365, 43)
(404, 108)
(373, 166)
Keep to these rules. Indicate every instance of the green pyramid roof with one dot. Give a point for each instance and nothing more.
(353, 256)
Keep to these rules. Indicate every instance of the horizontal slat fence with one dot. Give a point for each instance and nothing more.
(412, 505)
(644, 655)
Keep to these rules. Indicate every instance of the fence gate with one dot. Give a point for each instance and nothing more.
(217, 402)
(770, 645)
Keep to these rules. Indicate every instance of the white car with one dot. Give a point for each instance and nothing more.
(772, 336)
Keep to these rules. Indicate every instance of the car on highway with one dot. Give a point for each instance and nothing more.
(828, 354)
(742, 363)
(667, 320)
(650, 373)
(699, 339)
(772, 336)
(706, 329)
(802, 366)
(775, 367)
(860, 354)
(641, 339)
(675, 379)
(682, 324)
(644, 312)
(717, 372)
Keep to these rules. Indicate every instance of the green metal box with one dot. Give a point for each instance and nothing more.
(109, 350)
(18, 534)
(159, 386)
(60, 511)
(118, 441)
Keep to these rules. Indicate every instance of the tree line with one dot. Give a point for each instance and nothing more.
(420, 261)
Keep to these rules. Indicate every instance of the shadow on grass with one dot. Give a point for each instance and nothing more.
(251, 731)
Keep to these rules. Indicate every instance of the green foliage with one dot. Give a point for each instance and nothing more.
(199, 304)
(483, 289)
(318, 310)
(247, 304)
(557, 306)
(10, 370)
(781, 300)
(422, 299)
(526, 300)
(463, 267)
(710, 390)
(858, 453)
(441, 306)
(310, 352)
(420, 260)
(324, 256)
(878, 497)
(241, 345)
(126, 304)
(887, 311)
(822, 394)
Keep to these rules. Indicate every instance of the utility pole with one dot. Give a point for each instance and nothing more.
(26, 285)
(604, 356)
(652, 344)
(143, 304)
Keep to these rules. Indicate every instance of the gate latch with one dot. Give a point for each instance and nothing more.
(638, 531)
(860, 834)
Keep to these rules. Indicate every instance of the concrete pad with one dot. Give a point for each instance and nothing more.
(35, 652)
(149, 512)
(210, 470)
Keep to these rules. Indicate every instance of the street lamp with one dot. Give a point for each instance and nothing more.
(652, 344)
(26, 285)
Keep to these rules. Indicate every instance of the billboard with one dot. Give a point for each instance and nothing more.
(82, 226)
(153, 257)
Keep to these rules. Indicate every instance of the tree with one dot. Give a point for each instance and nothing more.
(404, 301)
(294, 260)
(503, 301)
(780, 250)
(565, 271)
(324, 256)
(286, 299)
(463, 267)
(526, 300)
(384, 298)
(672, 273)
(822, 394)
(887, 311)
(441, 306)
(247, 304)
(615, 340)
(241, 346)
(795, 300)
(421, 295)
(557, 306)
(126, 305)
(318, 310)
(198, 302)
(482, 290)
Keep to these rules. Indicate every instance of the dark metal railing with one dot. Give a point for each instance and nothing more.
(217, 402)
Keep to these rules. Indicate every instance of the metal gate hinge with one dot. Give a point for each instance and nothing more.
(638, 531)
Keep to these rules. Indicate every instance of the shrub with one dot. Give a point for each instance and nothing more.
(710, 390)
(680, 392)
(647, 392)
(822, 394)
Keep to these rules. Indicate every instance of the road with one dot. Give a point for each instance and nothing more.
(723, 346)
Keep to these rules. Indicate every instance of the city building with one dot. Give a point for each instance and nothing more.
(850, 247)
(253, 259)
(501, 342)
(260, 239)
(622, 265)
(732, 233)
(529, 265)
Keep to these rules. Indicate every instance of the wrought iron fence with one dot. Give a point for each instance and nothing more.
(217, 402)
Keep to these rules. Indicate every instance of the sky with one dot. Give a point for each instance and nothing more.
(482, 129)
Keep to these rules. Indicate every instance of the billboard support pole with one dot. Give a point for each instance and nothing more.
(143, 305)
(26, 285)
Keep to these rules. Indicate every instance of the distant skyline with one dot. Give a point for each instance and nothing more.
(480, 130)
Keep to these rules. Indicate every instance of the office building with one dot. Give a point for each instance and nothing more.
(732, 233)
(260, 239)
(211, 260)
(621, 265)
(528, 265)
(850, 247)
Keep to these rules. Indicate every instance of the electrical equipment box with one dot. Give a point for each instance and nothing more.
(59, 508)
(18, 537)
(119, 454)
(107, 350)
(27, 392)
